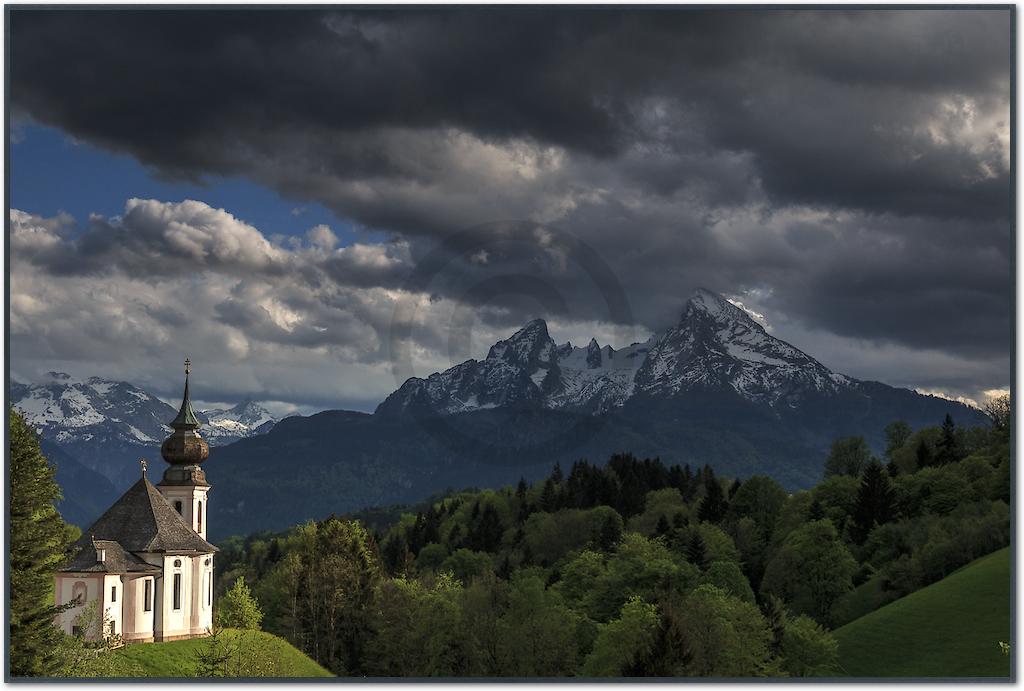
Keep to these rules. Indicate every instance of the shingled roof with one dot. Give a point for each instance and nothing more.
(116, 559)
(142, 520)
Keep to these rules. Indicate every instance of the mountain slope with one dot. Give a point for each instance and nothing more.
(949, 629)
(715, 388)
(716, 346)
(94, 432)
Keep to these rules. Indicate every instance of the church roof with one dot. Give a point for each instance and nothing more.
(142, 520)
(116, 559)
(186, 418)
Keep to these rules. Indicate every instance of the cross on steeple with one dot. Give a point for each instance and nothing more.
(142, 462)
(188, 366)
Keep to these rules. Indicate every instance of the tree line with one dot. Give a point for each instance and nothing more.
(635, 567)
(631, 568)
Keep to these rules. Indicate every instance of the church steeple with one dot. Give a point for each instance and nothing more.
(184, 483)
(185, 447)
(186, 419)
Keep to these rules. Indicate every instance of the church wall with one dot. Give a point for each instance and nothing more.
(176, 623)
(114, 608)
(138, 623)
(64, 591)
(202, 607)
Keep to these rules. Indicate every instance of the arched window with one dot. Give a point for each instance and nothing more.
(199, 516)
(177, 507)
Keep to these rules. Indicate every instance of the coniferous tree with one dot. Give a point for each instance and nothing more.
(556, 473)
(714, 505)
(525, 509)
(697, 551)
(876, 502)
(455, 537)
(948, 450)
(521, 489)
(38, 547)
(549, 497)
(631, 496)
(923, 455)
(663, 528)
(486, 535)
(815, 512)
(734, 488)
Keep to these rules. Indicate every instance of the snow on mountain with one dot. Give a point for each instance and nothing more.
(246, 419)
(69, 410)
(715, 346)
(719, 346)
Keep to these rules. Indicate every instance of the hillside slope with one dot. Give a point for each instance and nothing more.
(949, 629)
(178, 658)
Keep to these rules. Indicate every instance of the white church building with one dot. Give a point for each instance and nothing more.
(146, 561)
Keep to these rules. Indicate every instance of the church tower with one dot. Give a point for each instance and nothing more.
(184, 483)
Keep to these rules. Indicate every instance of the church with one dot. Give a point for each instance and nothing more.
(146, 561)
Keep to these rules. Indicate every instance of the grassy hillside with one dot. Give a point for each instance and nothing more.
(257, 653)
(949, 629)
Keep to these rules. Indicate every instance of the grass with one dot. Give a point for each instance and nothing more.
(276, 656)
(862, 600)
(949, 629)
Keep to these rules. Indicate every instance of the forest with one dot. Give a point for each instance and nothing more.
(634, 568)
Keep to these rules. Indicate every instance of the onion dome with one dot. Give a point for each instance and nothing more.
(185, 449)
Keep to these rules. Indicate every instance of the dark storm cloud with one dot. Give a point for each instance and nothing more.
(823, 100)
(849, 167)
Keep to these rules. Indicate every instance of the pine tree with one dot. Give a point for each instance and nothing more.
(663, 528)
(486, 535)
(521, 489)
(892, 469)
(548, 497)
(38, 547)
(734, 488)
(923, 454)
(713, 506)
(556, 473)
(525, 509)
(815, 512)
(697, 551)
(876, 502)
(948, 450)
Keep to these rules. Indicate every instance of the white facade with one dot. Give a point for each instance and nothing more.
(190, 502)
(145, 562)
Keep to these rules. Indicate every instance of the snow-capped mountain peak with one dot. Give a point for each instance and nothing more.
(716, 345)
(246, 419)
(68, 410)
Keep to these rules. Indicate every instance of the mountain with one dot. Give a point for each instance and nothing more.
(714, 388)
(715, 347)
(247, 419)
(95, 431)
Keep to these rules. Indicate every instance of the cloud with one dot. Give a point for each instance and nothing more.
(845, 173)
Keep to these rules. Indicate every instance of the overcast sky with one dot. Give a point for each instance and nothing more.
(296, 199)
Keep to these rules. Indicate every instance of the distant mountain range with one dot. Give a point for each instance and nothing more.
(715, 347)
(714, 388)
(96, 430)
